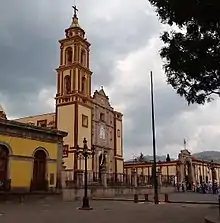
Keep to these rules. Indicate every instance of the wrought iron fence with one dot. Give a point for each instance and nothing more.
(114, 179)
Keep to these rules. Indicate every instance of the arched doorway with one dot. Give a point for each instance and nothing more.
(39, 170)
(4, 157)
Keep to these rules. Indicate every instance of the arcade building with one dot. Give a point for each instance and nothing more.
(186, 169)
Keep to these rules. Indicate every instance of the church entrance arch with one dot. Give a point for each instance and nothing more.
(186, 169)
(188, 174)
(39, 170)
(4, 158)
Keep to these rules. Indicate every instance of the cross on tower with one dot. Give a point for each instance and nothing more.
(75, 10)
(184, 142)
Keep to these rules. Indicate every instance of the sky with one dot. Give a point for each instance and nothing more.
(125, 47)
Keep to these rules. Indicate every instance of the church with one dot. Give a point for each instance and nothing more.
(80, 113)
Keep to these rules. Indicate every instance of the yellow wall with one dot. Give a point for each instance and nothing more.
(21, 159)
(65, 122)
(21, 172)
(83, 131)
(172, 170)
(120, 166)
(50, 117)
(26, 147)
(119, 139)
(147, 170)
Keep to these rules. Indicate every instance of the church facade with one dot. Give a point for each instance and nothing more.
(79, 113)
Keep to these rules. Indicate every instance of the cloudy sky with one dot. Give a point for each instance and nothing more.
(125, 44)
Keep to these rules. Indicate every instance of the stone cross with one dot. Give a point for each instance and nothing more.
(75, 10)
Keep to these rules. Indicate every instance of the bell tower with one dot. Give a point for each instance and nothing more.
(73, 98)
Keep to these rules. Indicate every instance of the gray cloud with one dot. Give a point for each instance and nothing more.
(29, 53)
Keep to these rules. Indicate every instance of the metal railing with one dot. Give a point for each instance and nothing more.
(115, 179)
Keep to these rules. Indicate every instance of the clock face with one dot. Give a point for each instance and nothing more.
(102, 132)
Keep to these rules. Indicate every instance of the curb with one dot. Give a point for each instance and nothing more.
(169, 202)
(193, 202)
(112, 199)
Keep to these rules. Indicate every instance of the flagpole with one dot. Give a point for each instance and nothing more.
(154, 141)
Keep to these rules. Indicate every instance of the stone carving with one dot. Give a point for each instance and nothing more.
(185, 168)
(102, 161)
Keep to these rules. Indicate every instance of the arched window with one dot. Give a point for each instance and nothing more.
(67, 84)
(83, 84)
(75, 52)
(69, 55)
(83, 58)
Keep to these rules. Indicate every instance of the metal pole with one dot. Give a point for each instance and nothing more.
(219, 206)
(85, 194)
(154, 142)
(85, 205)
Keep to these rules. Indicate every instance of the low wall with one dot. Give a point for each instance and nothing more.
(70, 194)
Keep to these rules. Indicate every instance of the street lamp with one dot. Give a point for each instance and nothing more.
(86, 153)
(154, 142)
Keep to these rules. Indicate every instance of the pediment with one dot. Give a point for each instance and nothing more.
(102, 99)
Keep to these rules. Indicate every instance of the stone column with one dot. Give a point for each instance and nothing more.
(80, 178)
(181, 172)
(159, 178)
(193, 173)
(104, 178)
(134, 178)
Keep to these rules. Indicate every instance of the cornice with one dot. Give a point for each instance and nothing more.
(22, 130)
(72, 66)
(75, 38)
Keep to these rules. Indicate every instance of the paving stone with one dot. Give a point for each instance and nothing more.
(103, 212)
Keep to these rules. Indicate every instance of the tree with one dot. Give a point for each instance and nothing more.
(141, 158)
(168, 158)
(192, 50)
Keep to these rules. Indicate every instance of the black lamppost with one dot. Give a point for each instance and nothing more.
(86, 153)
(156, 200)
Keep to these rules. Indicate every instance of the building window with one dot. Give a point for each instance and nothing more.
(42, 123)
(69, 55)
(83, 57)
(85, 121)
(67, 84)
(118, 133)
(102, 117)
(83, 85)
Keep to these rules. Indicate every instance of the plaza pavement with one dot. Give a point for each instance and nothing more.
(103, 212)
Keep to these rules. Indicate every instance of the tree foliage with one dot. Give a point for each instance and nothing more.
(141, 158)
(192, 50)
(168, 158)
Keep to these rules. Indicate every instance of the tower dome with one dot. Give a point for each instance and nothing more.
(2, 113)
